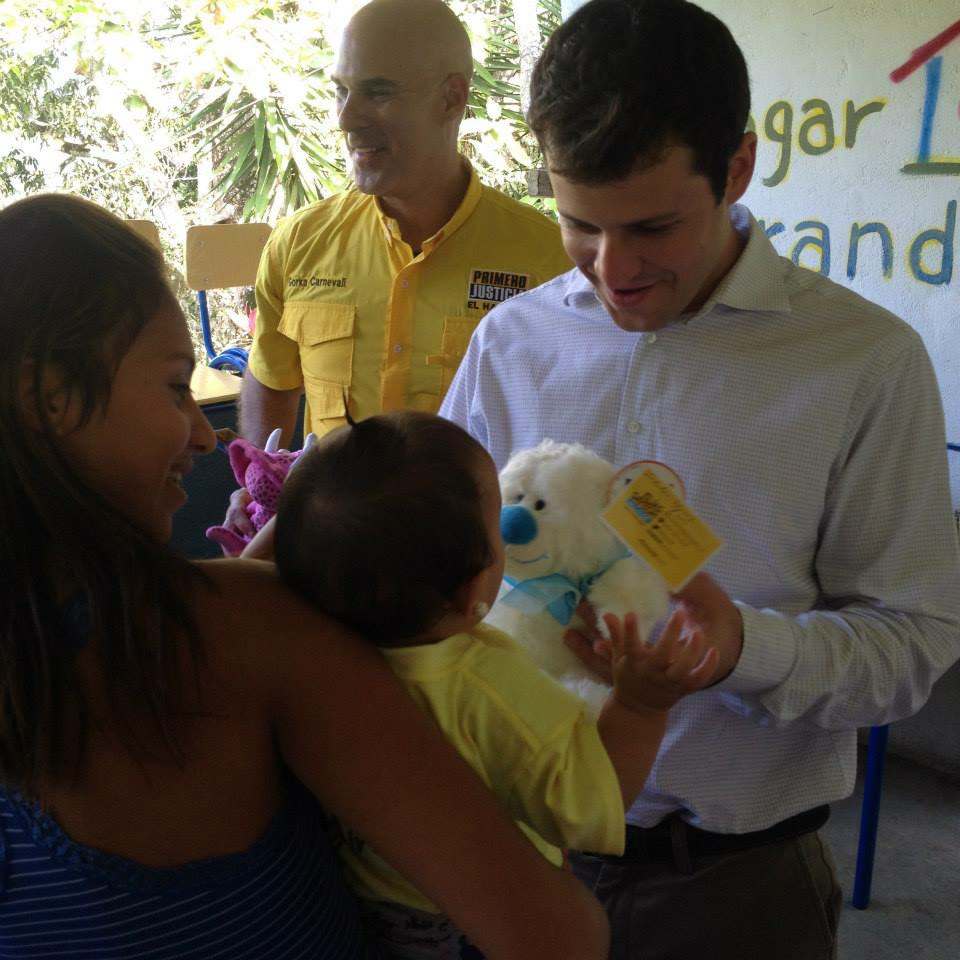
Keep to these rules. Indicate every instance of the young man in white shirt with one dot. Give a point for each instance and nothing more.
(807, 427)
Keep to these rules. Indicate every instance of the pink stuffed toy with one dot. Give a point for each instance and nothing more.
(262, 472)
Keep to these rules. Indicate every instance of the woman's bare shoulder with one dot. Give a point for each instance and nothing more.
(231, 577)
(253, 588)
(250, 620)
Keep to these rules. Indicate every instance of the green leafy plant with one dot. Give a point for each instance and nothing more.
(205, 110)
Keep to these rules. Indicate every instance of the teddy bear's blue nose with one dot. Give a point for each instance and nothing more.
(517, 525)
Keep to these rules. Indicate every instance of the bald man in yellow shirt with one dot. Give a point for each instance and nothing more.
(372, 295)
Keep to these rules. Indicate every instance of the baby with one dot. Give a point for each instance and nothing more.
(392, 525)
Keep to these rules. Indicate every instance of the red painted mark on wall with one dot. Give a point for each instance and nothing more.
(922, 54)
(926, 56)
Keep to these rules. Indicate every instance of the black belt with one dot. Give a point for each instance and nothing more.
(674, 841)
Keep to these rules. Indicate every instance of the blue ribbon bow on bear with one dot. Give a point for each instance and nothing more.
(555, 593)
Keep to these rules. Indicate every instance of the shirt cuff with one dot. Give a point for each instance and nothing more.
(770, 648)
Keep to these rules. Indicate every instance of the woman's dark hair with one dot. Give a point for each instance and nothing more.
(621, 81)
(382, 522)
(77, 286)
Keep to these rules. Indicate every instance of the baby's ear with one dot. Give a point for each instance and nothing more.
(470, 600)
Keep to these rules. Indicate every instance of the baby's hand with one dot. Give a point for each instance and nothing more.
(656, 677)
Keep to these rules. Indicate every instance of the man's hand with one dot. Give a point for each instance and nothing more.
(589, 645)
(709, 609)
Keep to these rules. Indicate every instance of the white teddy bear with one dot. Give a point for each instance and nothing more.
(559, 551)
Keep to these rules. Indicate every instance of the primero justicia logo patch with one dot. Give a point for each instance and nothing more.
(489, 287)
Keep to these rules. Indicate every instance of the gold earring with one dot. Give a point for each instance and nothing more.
(481, 609)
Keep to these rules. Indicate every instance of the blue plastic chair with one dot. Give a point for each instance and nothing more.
(233, 356)
(219, 256)
(869, 816)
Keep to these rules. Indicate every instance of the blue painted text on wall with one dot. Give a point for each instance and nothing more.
(928, 256)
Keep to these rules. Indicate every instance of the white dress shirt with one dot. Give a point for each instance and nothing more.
(808, 429)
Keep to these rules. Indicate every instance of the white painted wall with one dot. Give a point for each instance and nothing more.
(839, 52)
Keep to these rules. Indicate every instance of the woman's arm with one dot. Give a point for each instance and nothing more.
(350, 733)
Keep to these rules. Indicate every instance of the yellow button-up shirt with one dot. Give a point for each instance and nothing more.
(345, 308)
(527, 738)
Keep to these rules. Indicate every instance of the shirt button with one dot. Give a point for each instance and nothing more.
(651, 338)
(633, 426)
(398, 348)
(404, 284)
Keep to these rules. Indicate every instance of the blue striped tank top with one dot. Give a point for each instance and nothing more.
(283, 899)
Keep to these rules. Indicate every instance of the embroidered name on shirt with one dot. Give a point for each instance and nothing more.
(490, 287)
(316, 281)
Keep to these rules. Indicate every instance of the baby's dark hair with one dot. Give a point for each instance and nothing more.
(382, 523)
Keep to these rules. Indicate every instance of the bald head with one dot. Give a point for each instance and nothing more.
(402, 81)
(422, 32)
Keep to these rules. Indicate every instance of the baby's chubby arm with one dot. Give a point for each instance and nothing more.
(260, 546)
(647, 682)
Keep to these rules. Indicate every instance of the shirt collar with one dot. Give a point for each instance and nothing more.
(755, 282)
(577, 289)
(467, 205)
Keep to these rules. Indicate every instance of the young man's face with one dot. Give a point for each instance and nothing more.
(656, 243)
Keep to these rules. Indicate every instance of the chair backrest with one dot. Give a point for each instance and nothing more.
(224, 254)
(218, 256)
(147, 229)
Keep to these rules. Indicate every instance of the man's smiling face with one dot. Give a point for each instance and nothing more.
(654, 244)
(391, 110)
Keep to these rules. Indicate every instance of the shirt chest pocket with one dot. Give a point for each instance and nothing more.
(324, 333)
(453, 345)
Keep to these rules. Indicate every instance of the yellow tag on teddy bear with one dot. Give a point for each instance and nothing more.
(654, 523)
